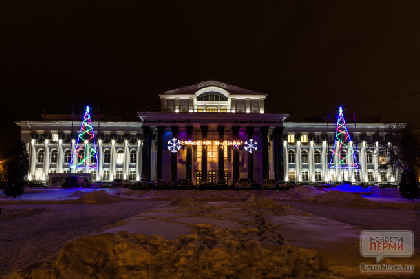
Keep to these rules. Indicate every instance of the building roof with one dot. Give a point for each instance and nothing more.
(191, 89)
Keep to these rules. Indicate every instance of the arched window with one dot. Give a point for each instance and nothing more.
(81, 155)
(120, 156)
(304, 157)
(369, 157)
(212, 96)
(133, 156)
(107, 156)
(67, 156)
(317, 157)
(40, 156)
(54, 156)
(291, 156)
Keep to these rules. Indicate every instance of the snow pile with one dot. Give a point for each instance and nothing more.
(76, 194)
(208, 253)
(100, 196)
(385, 192)
(337, 197)
(304, 192)
(260, 202)
(185, 202)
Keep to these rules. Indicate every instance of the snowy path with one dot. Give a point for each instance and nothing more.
(37, 232)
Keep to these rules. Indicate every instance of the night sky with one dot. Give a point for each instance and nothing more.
(308, 56)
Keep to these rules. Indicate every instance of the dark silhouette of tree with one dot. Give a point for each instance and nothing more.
(401, 151)
(19, 164)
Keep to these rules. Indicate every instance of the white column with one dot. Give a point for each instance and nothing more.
(33, 161)
(126, 159)
(350, 161)
(113, 161)
(138, 161)
(376, 162)
(324, 162)
(311, 162)
(73, 156)
(100, 161)
(298, 161)
(363, 167)
(60, 157)
(286, 161)
(46, 161)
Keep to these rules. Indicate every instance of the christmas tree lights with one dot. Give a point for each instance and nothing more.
(343, 155)
(85, 150)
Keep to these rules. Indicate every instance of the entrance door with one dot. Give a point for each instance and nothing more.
(212, 176)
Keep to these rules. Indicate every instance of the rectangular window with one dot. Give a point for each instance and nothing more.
(226, 177)
(107, 138)
(120, 157)
(38, 174)
(106, 175)
(119, 174)
(212, 176)
(291, 138)
(132, 175)
(199, 153)
(212, 153)
(93, 175)
(317, 176)
(225, 152)
(120, 138)
(211, 109)
(292, 176)
(304, 138)
(370, 176)
(54, 137)
(305, 176)
(198, 177)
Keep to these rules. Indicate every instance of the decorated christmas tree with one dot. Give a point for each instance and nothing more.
(85, 152)
(343, 155)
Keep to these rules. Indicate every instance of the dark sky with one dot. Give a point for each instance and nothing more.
(307, 55)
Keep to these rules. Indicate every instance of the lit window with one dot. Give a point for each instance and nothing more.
(382, 160)
(120, 157)
(198, 177)
(291, 138)
(199, 153)
(212, 154)
(54, 137)
(304, 138)
(292, 175)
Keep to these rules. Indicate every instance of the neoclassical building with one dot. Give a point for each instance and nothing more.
(208, 131)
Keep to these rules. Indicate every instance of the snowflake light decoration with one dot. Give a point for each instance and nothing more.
(250, 146)
(174, 145)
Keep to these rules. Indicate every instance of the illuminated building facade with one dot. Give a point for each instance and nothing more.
(209, 131)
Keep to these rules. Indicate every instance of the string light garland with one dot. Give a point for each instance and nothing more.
(342, 148)
(85, 151)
